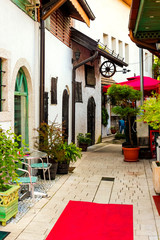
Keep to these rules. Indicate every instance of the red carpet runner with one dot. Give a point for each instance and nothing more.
(157, 203)
(93, 221)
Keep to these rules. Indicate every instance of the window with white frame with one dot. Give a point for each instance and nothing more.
(120, 48)
(126, 53)
(105, 39)
(113, 44)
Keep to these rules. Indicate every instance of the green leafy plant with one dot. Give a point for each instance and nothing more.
(119, 136)
(150, 111)
(105, 116)
(10, 155)
(123, 99)
(156, 68)
(50, 140)
(84, 138)
(71, 152)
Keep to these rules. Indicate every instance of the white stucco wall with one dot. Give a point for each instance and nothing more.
(87, 93)
(19, 48)
(112, 18)
(58, 64)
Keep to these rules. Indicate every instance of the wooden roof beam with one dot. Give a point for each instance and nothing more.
(53, 8)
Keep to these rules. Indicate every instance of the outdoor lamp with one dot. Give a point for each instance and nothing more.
(158, 46)
(77, 55)
(125, 70)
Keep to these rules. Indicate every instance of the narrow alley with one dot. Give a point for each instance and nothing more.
(101, 176)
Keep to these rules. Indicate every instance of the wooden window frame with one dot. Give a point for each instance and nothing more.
(87, 78)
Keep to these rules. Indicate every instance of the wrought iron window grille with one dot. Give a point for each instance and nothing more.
(1, 85)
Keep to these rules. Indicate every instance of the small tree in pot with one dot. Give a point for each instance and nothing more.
(123, 100)
(49, 140)
(84, 140)
(71, 153)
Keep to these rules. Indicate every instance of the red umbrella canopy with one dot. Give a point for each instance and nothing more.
(149, 83)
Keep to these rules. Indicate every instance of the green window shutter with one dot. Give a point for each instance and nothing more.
(22, 4)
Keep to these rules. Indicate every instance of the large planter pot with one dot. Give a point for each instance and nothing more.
(63, 167)
(8, 204)
(113, 131)
(83, 146)
(53, 170)
(156, 177)
(131, 154)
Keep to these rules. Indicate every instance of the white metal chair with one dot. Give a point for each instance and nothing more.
(27, 179)
(43, 164)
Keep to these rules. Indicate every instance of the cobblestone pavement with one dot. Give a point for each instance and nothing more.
(100, 176)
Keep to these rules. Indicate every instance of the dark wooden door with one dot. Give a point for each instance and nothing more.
(65, 115)
(91, 119)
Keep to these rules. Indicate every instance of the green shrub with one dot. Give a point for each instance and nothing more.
(10, 155)
(84, 138)
(105, 116)
(120, 136)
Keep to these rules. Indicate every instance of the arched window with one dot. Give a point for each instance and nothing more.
(21, 106)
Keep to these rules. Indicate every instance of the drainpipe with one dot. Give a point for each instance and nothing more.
(42, 69)
(95, 55)
(141, 74)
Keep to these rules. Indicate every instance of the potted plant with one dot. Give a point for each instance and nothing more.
(50, 140)
(84, 140)
(71, 153)
(123, 100)
(113, 129)
(10, 155)
(150, 113)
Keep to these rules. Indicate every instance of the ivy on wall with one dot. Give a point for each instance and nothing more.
(105, 116)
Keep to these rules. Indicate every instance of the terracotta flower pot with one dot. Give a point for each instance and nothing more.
(113, 131)
(131, 154)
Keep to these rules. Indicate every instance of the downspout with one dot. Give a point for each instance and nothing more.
(42, 69)
(95, 55)
(141, 74)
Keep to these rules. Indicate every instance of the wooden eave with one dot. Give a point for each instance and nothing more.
(128, 2)
(77, 9)
(92, 45)
(144, 24)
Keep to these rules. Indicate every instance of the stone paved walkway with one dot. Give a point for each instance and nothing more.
(100, 176)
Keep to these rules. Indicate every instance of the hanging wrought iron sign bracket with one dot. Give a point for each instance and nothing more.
(107, 69)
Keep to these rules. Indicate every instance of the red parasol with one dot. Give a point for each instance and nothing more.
(149, 83)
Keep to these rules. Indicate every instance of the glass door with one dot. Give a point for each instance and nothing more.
(21, 106)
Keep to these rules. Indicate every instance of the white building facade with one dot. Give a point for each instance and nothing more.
(20, 68)
(111, 28)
